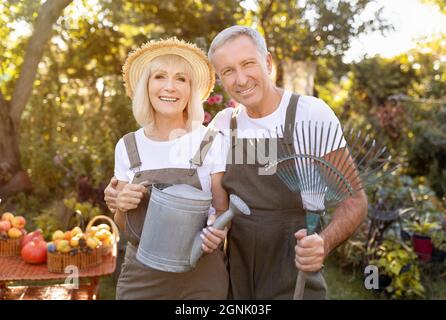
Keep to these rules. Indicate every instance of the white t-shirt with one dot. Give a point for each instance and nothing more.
(309, 110)
(174, 153)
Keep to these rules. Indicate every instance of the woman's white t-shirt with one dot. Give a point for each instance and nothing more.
(174, 153)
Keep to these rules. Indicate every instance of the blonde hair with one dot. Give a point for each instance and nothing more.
(142, 108)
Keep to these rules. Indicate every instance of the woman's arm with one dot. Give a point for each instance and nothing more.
(212, 237)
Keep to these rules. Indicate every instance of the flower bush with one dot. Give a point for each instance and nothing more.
(217, 101)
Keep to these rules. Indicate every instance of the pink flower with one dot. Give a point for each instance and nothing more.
(218, 98)
(207, 117)
(211, 100)
(231, 104)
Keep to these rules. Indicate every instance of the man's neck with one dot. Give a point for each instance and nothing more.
(268, 105)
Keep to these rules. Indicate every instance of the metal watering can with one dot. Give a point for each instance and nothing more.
(170, 239)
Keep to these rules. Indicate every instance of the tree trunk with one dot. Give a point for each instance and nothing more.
(12, 178)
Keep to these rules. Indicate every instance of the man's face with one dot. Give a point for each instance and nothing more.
(243, 71)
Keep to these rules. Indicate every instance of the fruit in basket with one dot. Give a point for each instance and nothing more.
(34, 252)
(58, 235)
(18, 222)
(67, 235)
(51, 247)
(93, 242)
(5, 225)
(14, 233)
(35, 235)
(8, 216)
(103, 234)
(76, 231)
(104, 226)
(108, 241)
(74, 242)
(63, 246)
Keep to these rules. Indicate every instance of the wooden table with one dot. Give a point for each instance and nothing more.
(15, 269)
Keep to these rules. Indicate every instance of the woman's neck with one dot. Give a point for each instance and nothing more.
(165, 129)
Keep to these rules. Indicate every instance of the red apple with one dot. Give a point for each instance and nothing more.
(32, 236)
(34, 252)
(18, 222)
(7, 216)
(5, 225)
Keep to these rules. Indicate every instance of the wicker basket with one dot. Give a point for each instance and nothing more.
(10, 247)
(82, 258)
(106, 250)
(57, 262)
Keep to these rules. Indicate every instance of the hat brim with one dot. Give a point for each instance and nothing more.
(138, 60)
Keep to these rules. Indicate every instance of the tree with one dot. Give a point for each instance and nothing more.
(12, 177)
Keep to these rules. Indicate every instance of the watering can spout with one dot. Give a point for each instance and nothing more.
(235, 205)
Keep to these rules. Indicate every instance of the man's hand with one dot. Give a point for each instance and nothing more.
(110, 194)
(130, 196)
(212, 237)
(310, 251)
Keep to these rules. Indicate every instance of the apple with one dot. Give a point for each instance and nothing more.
(74, 242)
(102, 234)
(67, 235)
(103, 226)
(18, 222)
(58, 235)
(35, 235)
(5, 225)
(7, 216)
(93, 243)
(76, 230)
(34, 252)
(14, 233)
(63, 246)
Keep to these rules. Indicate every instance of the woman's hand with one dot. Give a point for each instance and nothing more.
(130, 197)
(212, 237)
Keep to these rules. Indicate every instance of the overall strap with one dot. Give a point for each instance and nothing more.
(234, 118)
(205, 145)
(290, 119)
(132, 150)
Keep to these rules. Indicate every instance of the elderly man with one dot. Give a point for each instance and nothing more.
(266, 249)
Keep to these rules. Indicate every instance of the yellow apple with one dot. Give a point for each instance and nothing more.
(58, 235)
(8, 216)
(74, 242)
(93, 243)
(63, 246)
(18, 222)
(76, 230)
(14, 233)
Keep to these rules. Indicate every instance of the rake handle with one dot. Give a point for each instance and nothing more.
(312, 221)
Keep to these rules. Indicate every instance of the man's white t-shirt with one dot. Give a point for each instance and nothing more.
(309, 110)
(174, 153)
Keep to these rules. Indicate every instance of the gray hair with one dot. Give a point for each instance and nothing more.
(235, 32)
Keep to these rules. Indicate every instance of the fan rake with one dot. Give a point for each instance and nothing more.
(325, 169)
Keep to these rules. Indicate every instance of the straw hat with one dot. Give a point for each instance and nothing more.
(137, 60)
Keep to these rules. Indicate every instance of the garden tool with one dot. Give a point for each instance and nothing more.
(235, 205)
(325, 170)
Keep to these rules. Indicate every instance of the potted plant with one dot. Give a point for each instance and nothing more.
(421, 238)
(397, 261)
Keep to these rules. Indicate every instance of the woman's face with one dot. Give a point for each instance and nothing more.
(169, 91)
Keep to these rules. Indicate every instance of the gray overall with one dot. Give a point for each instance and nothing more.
(261, 246)
(209, 280)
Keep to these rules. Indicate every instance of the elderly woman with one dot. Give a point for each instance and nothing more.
(167, 80)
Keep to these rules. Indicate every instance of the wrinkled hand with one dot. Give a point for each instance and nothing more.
(110, 194)
(130, 197)
(309, 251)
(212, 237)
